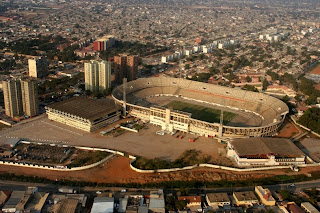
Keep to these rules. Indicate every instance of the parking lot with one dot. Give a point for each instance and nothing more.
(145, 143)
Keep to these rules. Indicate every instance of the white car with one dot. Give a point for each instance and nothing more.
(292, 185)
(160, 133)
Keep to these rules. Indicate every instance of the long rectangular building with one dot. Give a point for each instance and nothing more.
(265, 152)
(84, 113)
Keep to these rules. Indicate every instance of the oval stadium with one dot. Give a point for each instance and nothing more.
(195, 107)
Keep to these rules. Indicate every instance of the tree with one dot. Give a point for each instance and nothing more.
(181, 204)
(285, 194)
(170, 203)
(273, 75)
(107, 91)
(184, 191)
(88, 92)
(297, 97)
(311, 119)
(265, 85)
(285, 99)
(290, 79)
(248, 79)
(81, 86)
(307, 87)
(250, 88)
(214, 70)
(311, 100)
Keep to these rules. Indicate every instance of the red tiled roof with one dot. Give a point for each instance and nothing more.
(190, 199)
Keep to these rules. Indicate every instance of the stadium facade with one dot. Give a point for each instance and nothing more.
(132, 96)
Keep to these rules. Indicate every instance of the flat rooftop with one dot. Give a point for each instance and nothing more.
(218, 197)
(86, 108)
(245, 196)
(311, 147)
(262, 147)
(14, 199)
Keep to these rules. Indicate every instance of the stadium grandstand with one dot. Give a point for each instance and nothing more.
(269, 110)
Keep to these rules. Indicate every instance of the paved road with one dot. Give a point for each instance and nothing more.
(12, 185)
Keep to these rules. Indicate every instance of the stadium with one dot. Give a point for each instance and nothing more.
(195, 107)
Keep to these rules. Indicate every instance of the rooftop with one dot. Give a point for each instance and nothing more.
(86, 108)
(218, 197)
(265, 193)
(4, 196)
(12, 142)
(123, 202)
(190, 199)
(102, 204)
(245, 196)
(294, 208)
(309, 207)
(14, 199)
(66, 206)
(262, 147)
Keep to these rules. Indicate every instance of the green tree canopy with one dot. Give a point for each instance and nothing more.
(311, 119)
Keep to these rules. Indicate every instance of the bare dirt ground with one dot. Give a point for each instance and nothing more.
(146, 143)
(118, 171)
(288, 130)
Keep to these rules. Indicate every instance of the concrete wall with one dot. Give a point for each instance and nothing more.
(214, 167)
(133, 159)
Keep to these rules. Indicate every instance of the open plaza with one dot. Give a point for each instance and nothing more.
(145, 143)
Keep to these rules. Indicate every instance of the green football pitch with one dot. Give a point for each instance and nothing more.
(202, 113)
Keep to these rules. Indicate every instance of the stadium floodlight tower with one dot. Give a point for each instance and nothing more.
(221, 121)
(124, 97)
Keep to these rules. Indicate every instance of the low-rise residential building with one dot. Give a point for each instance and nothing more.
(123, 202)
(308, 207)
(191, 200)
(294, 208)
(280, 91)
(265, 196)
(67, 203)
(103, 205)
(157, 204)
(4, 196)
(14, 200)
(218, 199)
(247, 198)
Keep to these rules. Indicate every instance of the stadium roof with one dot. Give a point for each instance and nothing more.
(86, 108)
(259, 147)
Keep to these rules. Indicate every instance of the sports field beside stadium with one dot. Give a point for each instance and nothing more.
(202, 113)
